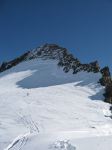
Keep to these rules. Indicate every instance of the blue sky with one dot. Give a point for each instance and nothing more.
(82, 26)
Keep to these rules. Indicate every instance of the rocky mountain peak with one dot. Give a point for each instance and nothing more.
(47, 51)
(66, 61)
(52, 51)
(64, 57)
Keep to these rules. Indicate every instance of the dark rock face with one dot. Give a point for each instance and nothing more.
(108, 94)
(92, 67)
(106, 72)
(95, 66)
(106, 76)
(107, 82)
(10, 64)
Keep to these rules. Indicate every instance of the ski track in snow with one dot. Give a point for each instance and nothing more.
(29, 123)
(18, 143)
(38, 98)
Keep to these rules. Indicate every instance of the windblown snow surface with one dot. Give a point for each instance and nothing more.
(43, 108)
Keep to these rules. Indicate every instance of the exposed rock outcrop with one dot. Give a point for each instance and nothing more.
(10, 64)
(107, 82)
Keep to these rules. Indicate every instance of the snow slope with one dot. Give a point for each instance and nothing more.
(41, 107)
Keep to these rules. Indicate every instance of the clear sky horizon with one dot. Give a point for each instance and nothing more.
(82, 26)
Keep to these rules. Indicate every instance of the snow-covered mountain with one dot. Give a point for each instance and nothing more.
(49, 100)
(54, 52)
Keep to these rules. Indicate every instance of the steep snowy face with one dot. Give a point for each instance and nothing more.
(38, 97)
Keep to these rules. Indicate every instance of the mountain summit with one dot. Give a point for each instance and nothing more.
(49, 100)
(53, 51)
(67, 61)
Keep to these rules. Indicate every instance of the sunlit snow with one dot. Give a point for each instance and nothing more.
(40, 105)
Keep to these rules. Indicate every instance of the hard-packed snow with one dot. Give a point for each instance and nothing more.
(43, 108)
